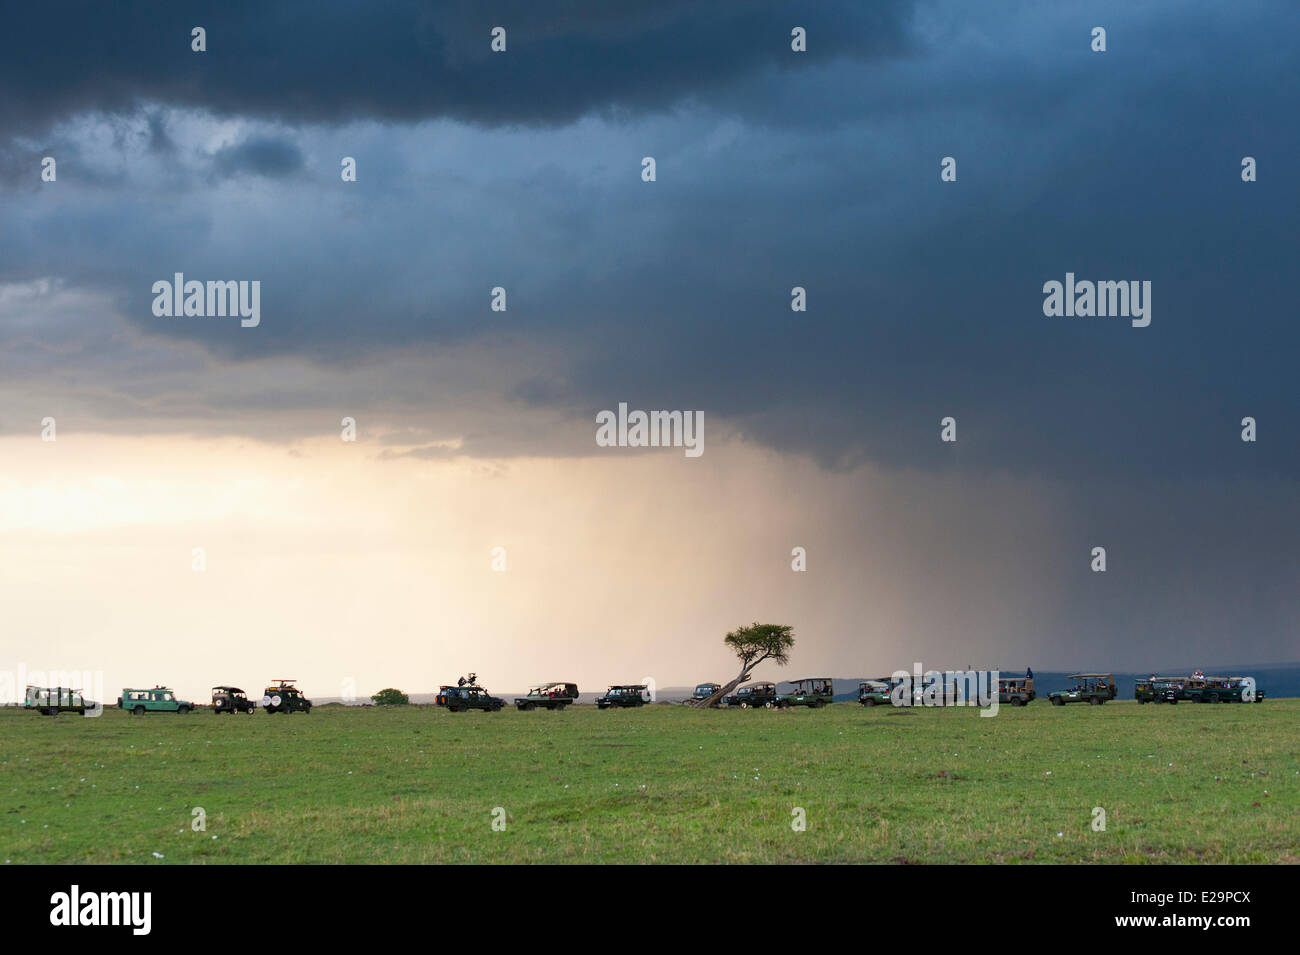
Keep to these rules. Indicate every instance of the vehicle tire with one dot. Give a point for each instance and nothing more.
(744, 704)
(138, 711)
(182, 710)
(1017, 701)
(819, 704)
(1096, 700)
(769, 705)
(868, 702)
(1057, 701)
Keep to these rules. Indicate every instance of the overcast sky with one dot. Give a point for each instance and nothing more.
(522, 169)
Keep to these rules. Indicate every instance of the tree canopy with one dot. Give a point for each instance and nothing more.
(759, 642)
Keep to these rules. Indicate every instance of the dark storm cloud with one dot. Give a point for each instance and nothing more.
(260, 156)
(924, 297)
(334, 62)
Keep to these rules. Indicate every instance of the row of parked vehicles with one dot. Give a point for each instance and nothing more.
(1012, 691)
(1098, 688)
(466, 694)
(815, 692)
(280, 697)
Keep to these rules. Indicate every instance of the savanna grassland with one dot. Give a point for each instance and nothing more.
(1187, 783)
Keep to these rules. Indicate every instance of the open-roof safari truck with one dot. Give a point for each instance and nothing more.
(813, 691)
(549, 696)
(1016, 690)
(53, 700)
(875, 692)
(1220, 689)
(1093, 688)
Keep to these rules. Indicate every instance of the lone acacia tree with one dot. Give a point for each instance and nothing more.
(753, 645)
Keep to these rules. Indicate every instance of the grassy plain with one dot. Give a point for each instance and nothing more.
(1187, 783)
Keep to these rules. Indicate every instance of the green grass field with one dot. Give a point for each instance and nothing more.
(1188, 783)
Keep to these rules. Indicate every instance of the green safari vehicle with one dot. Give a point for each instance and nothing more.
(1225, 689)
(158, 699)
(874, 693)
(623, 695)
(1016, 690)
(53, 700)
(812, 691)
(1093, 688)
(1247, 690)
(549, 696)
(1158, 689)
(754, 695)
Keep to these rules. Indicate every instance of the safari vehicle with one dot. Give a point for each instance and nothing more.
(1241, 682)
(1222, 689)
(705, 690)
(550, 696)
(1093, 688)
(754, 695)
(468, 695)
(285, 698)
(53, 700)
(231, 699)
(814, 691)
(158, 699)
(1158, 689)
(1016, 690)
(630, 694)
(875, 693)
